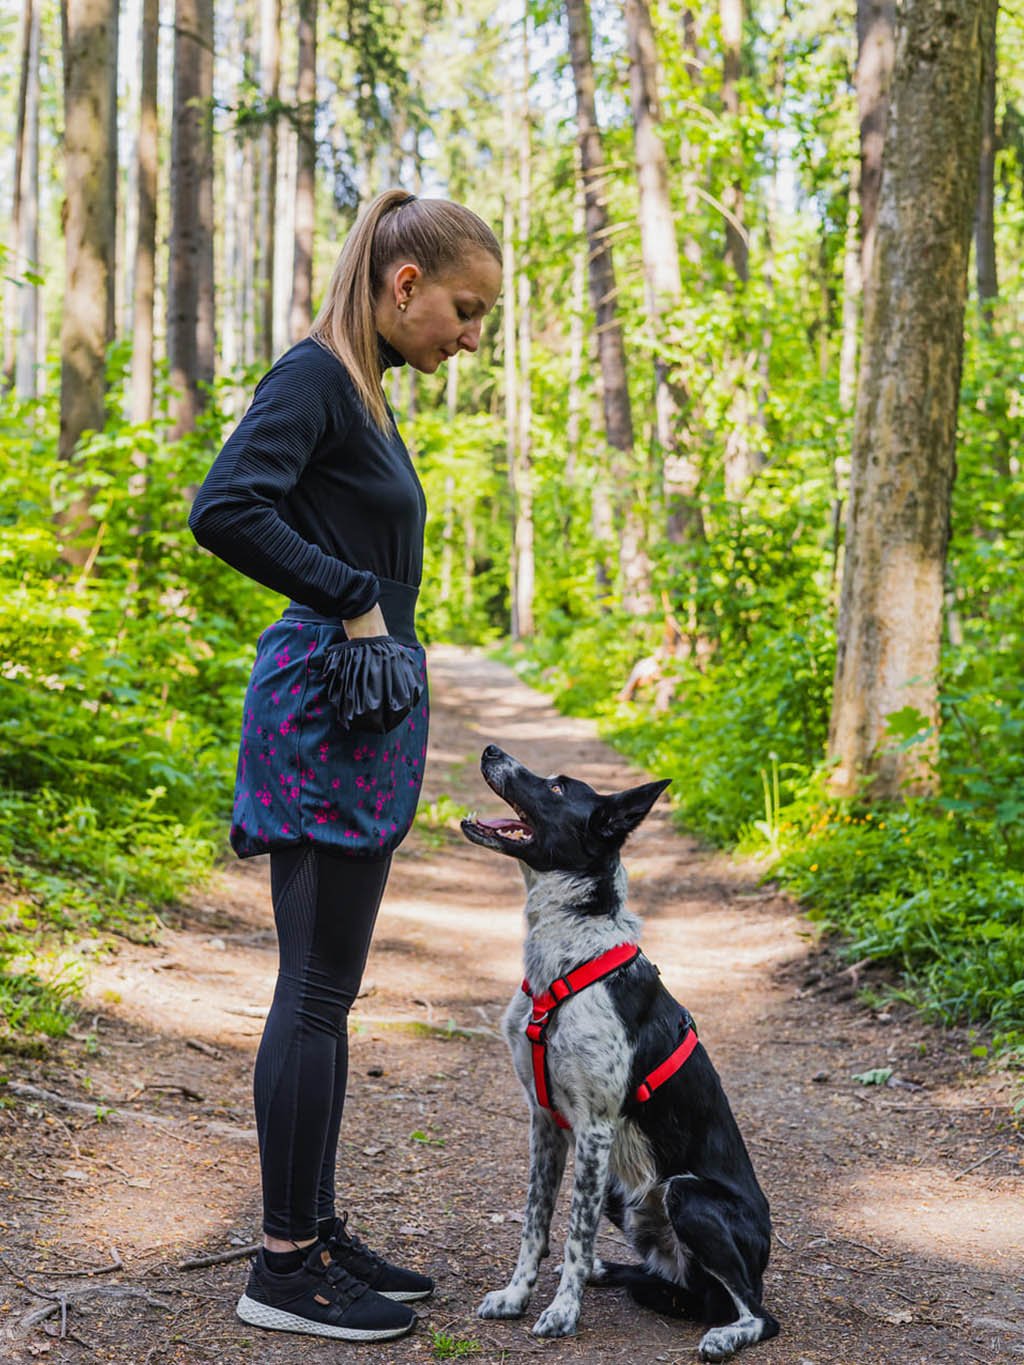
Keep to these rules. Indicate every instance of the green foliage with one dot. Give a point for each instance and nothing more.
(118, 677)
(444, 1346)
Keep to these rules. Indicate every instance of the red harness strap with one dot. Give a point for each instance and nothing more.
(572, 983)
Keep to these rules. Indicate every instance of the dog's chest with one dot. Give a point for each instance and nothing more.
(588, 1055)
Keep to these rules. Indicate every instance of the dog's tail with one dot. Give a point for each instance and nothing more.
(652, 1291)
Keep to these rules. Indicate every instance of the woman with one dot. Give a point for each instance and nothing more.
(315, 496)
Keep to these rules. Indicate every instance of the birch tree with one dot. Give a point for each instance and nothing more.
(905, 427)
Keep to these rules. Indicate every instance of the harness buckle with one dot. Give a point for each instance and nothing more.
(535, 1029)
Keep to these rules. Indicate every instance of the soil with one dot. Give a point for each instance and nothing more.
(130, 1149)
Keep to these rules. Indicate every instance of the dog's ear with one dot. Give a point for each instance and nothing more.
(618, 815)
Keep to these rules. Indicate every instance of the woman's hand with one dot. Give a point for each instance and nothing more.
(370, 623)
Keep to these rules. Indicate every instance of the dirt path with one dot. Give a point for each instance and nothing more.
(899, 1210)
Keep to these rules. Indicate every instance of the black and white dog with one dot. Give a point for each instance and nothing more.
(600, 1046)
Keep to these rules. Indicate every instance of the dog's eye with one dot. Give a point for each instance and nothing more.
(556, 789)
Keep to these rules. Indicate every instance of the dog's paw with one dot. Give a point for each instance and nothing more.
(557, 1320)
(719, 1344)
(598, 1273)
(503, 1303)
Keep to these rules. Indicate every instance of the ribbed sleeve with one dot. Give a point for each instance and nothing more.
(302, 402)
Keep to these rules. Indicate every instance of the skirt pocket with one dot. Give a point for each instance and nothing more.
(302, 777)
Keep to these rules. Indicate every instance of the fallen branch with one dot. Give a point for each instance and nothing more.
(220, 1257)
(93, 1109)
(61, 1301)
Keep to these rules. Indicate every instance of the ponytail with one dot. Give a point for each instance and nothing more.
(395, 226)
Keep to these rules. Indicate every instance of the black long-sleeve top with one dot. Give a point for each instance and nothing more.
(308, 496)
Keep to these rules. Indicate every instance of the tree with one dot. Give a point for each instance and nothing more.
(89, 30)
(876, 45)
(905, 428)
(27, 212)
(266, 223)
(301, 315)
(736, 247)
(618, 417)
(662, 281)
(985, 221)
(145, 239)
(190, 303)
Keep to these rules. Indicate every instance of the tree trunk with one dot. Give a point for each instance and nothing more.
(526, 568)
(301, 315)
(11, 303)
(510, 356)
(736, 248)
(90, 147)
(662, 281)
(270, 87)
(145, 241)
(904, 439)
(190, 284)
(985, 225)
(851, 298)
(876, 46)
(27, 215)
(618, 419)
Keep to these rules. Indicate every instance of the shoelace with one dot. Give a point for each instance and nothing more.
(352, 1246)
(344, 1285)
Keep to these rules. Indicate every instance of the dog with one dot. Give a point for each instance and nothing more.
(603, 1048)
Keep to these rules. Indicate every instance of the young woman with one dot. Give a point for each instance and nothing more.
(315, 496)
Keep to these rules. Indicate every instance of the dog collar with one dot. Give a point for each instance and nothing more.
(560, 990)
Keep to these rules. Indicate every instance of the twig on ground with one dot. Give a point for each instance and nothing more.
(975, 1164)
(115, 1264)
(220, 1257)
(781, 1240)
(205, 1048)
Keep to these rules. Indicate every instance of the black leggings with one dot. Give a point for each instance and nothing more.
(325, 907)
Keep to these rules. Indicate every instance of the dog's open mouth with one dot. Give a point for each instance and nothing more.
(516, 830)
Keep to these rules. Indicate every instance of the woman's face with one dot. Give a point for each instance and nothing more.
(440, 316)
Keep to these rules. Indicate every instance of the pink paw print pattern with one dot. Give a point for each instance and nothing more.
(301, 778)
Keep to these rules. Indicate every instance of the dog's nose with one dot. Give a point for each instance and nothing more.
(492, 751)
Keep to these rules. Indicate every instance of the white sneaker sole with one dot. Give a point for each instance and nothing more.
(277, 1320)
(405, 1295)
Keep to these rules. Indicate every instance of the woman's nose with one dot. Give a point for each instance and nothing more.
(469, 339)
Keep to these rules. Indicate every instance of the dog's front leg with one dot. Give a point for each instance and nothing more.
(548, 1144)
(593, 1148)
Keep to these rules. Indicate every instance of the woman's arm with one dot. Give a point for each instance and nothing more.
(235, 512)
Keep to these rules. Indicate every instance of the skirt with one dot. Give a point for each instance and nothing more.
(303, 779)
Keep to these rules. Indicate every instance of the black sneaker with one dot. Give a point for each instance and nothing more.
(322, 1300)
(390, 1281)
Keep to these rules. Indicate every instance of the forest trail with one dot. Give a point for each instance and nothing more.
(899, 1210)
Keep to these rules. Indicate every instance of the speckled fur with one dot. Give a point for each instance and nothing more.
(591, 1059)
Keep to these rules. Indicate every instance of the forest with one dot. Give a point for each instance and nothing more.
(736, 468)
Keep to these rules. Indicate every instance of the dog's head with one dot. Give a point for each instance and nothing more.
(562, 824)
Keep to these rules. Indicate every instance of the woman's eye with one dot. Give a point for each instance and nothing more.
(464, 316)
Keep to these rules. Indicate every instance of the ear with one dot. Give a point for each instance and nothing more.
(618, 815)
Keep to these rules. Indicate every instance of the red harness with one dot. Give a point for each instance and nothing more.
(545, 1004)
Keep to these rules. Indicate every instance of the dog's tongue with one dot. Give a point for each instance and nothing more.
(500, 824)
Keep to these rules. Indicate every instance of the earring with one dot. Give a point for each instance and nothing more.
(402, 307)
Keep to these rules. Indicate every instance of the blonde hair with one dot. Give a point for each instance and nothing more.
(396, 226)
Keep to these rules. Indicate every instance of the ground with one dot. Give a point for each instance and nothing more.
(898, 1209)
